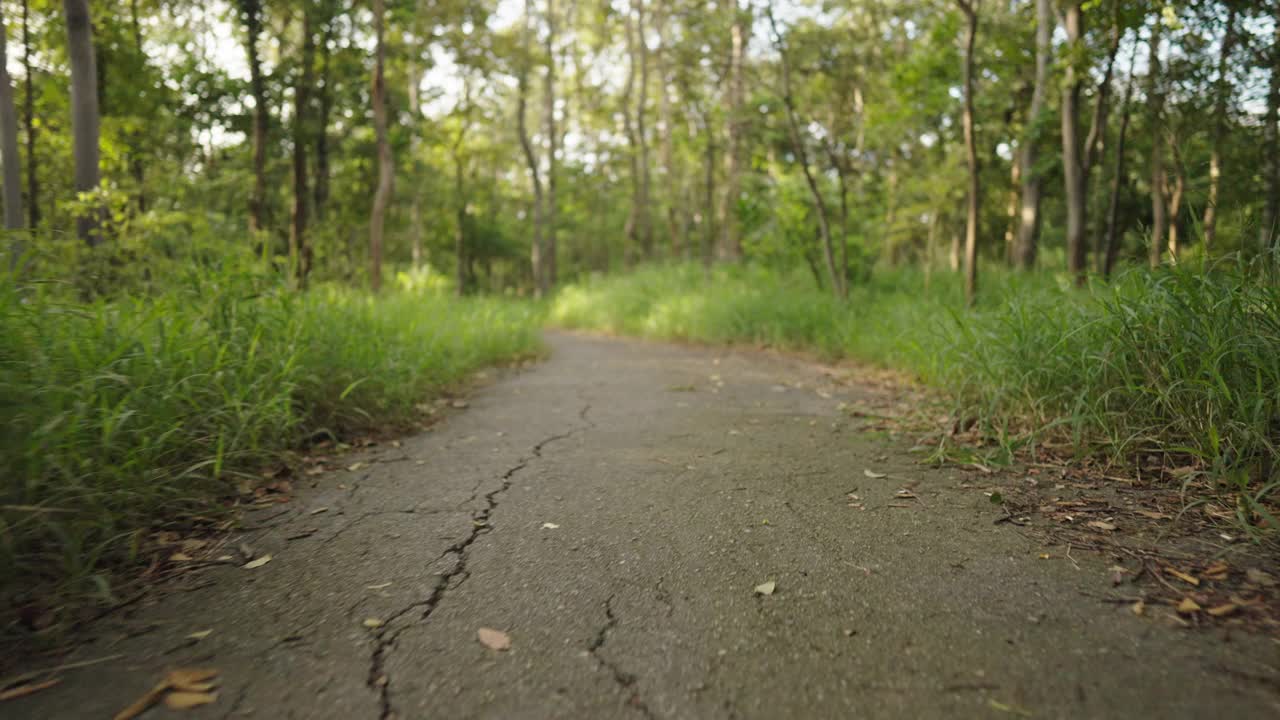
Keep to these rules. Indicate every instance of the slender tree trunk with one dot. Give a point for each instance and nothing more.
(325, 101)
(29, 119)
(251, 12)
(415, 151)
(386, 171)
(632, 229)
(1028, 239)
(299, 252)
(1072, 165)
(461, 248)
(645, 230)
(672, 190)
(970, 9)
(536, 249)
(1175, 194)
(1155, 95)
(84, 112)
(1108, 249)
(10, 160)
(1101, 105)
(730, 247)
(549, 110)
(136, 165)
(798, 142)
(709, 233)
(1223, 97)
(1269, 233)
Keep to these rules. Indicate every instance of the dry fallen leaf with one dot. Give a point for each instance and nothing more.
(355, 466)
(373, 623)
(200, 635)
(494, 639)
(460, 404)
(1188, 606)
(180, 557)
(766, 588)
(1223, 610)
(25, 690)
(191, 679)
(1217, 571)
(874, 475)
(319, 510)
(1192, 580)
(188, 700)
(1138, 608)
(252, 564)
(550, 526)
(379, 586)
(1100, 525)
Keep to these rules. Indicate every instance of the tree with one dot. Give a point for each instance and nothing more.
(84, 113)
(537, 248)
(730, 247)
(549, 100)
(299, 252)
(382, 195)
(1222, 96)
(970, 10)
(1072, 164)
(1155, 99)
(1269, 233)
(251, 16)
(28, 116)
(1028, 218)
(9, 158)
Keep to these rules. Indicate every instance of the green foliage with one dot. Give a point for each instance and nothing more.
(120, 414)
(1183, 362)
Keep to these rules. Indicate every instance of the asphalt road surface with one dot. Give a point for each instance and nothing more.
(612, 510)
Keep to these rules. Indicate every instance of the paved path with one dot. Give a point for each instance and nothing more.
(678, 479)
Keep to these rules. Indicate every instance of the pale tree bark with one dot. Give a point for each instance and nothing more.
(730, 245)
(1175, 194)
(1072, 165)
(325, 110)
(970, 10)
(415, 149)
(29, 120)
(84, 112)
(299, 252)
(1269, 232)
(1028, 238)
(536, 249)
(645, 230)
(386, 171)
(1109, 246)
(1155, 106)
(461, 248)
(672, 183)
(834, 274)
(9, 157)
(1221, 100)
(1011, 212)
(251, 14)
(549, 110)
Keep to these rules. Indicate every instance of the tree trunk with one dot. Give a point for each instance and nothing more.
(709, 233)
(645, 231)
(1028, 239)
(1175, 202)
(970, 9)
(381, 196)
(1108, 248)
(299, 253)
(549, 110)
(84, 113)
(461, 249)
(10, 160)
(672, 185)
(730, 247)
(1223, 96)
(536, 250)
(29, 119)
(1011, 213)
(835, 275)
(1072, 166)
(1269, 234)
(632, 229)
(1155, 95)
(251, 12)
(415, 151)
(325, 98)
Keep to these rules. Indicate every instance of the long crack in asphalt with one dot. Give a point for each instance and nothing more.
(625, 680)
(386, 636)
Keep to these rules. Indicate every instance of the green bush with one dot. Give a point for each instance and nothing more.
(124, 413)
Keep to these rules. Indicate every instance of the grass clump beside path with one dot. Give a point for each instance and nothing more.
(121, 414)
(1182, 362)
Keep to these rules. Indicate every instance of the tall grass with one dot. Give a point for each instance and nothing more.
(120, 414)
(1182, 362)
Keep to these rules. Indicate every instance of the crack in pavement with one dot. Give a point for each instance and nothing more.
(625, 680)
(386, 637)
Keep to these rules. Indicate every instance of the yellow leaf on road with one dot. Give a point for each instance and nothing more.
(253, 564)
(766, 588)
(494, 639)
(188, 700)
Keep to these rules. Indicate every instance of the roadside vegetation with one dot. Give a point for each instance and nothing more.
(1183, 363)
(136, 412)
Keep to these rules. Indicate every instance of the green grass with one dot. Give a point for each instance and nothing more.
(1182, 362)
(122, 415)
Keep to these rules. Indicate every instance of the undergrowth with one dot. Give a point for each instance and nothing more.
(1182, 363)
(124, 413)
